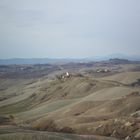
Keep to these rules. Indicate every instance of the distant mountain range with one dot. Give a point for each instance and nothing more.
(65, 60)
(37, 61)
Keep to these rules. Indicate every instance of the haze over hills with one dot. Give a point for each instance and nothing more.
(36, 61)
(64, 60)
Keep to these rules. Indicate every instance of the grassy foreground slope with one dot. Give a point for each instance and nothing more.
(21, 134)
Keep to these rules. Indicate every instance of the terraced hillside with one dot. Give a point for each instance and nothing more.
(97, 103)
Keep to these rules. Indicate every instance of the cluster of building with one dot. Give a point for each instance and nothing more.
(103, 70)
(64, 76)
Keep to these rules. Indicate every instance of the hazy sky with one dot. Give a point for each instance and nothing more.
(69, 28)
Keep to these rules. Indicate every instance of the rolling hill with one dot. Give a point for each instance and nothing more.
(104, 104)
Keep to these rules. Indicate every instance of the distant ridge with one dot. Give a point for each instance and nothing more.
(20, 61)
